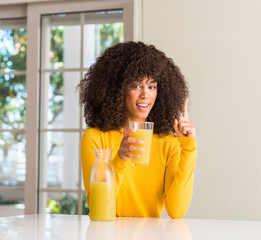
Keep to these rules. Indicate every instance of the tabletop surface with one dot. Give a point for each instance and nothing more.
(124, 228)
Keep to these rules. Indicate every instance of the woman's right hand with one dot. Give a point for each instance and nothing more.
(125, 147)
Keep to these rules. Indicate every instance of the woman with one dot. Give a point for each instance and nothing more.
(133, 81)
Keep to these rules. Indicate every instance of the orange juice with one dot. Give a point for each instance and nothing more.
(102, 201)
(146, 136)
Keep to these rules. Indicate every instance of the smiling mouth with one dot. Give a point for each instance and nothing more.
(142, 106)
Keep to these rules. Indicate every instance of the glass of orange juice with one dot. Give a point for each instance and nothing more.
(144, 132)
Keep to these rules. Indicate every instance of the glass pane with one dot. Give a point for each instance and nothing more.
(13, 40)
(61, 36)
(11, 203)
(60, 161)
(101, 30)
(82, 183)
(62, 110)
(59, 203)
(12, 102)
(12, 159)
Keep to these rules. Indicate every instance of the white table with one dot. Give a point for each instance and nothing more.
(80, 227)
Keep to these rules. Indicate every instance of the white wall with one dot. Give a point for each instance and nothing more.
(217, 44)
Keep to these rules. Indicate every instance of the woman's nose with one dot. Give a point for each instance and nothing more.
(144, 93)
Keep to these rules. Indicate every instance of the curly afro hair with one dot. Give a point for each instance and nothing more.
(102, 91)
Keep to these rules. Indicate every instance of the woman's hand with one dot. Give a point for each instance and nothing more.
(125, 147)
(183, 127)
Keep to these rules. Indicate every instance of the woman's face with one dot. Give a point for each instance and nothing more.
(140, 98)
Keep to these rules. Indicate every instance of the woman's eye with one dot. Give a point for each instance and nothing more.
(152, 87)
(137, 86)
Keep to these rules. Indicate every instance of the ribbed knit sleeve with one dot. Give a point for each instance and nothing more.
(179, 177)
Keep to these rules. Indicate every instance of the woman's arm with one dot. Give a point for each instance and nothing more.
(92, 139)
(179, 177)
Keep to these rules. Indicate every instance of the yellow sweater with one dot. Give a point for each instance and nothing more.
(143, 190)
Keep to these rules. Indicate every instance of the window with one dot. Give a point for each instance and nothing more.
(13, 44)
(70, 44)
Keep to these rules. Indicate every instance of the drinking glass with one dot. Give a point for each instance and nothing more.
(144, 132)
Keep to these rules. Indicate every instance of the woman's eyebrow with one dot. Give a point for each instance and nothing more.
(151, 81)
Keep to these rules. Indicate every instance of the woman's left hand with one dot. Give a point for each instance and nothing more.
(183, 127)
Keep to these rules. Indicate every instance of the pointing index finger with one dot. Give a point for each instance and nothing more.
(185, 109)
